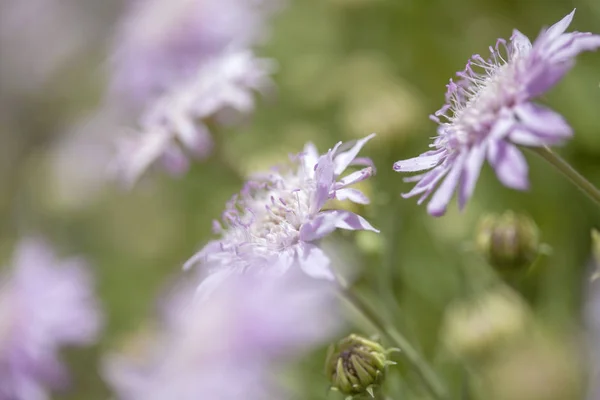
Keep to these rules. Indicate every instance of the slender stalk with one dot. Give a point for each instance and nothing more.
(429, 377)
(575, 177)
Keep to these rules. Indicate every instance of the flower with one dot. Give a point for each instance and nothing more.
(183, 63)
(45, 304)
(489, 111)
(274, 221)
(225, 346)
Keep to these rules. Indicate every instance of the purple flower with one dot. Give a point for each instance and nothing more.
(489, 111)
(45, 304)
(274, 222)
(225, 346)
(185, 62)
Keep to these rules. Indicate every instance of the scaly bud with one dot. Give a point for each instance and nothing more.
(356, 366)
(509, 242)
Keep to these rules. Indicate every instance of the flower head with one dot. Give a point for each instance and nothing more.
(489, 111)
(224, 346)
(274, 222)
(44, 305)
(183, 63)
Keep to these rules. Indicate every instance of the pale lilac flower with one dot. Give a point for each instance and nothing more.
(489, 111)
(45, 304)
(277, 218)
(228, 346)
(182, 63)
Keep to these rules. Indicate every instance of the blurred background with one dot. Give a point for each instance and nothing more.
(346, 68)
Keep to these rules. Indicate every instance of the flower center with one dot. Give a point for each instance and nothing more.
(272, 213)
(474, 101)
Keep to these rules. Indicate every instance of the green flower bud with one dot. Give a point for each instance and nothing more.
(509, 242)
(356, 366)
(473, 329)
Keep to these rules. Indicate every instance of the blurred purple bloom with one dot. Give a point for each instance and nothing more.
(274, 222)
(45, 304)
(184, 62)
(225, 346)
(489, 111)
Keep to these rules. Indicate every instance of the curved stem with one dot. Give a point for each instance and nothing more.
(575, 177)
(429, 377)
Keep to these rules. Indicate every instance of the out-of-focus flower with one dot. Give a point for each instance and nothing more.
(183, 63)
(510, 242)
(475, 328)
(489, 111)
(45, 304)
(272, 224)
(57, 31)
(538, 367)
(226, 346)
(356, 366)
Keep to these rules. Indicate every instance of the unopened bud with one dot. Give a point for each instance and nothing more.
(510, 242)
(356, 366)
(475, 328)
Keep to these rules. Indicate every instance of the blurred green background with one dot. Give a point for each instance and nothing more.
(346, 68)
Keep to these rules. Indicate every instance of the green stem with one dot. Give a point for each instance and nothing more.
(429, 377)
(575, 177)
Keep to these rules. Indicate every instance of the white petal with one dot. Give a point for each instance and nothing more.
(342, 160)
(314, 262)
(439, 202)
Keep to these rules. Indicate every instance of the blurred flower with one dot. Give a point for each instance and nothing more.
(45, 304)
(509, 242)
(272, 224)
(184, 62)
(536, 368)
(477, 327)
(226, 346)
(356, 365)
(57, 32)
(490, 110)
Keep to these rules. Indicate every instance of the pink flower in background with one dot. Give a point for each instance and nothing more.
(183, 63)
(229, 345)
(490, 110)
(45, 304)
(277, 218)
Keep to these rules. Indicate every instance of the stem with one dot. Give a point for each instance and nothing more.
(575, 177)
(429, 377)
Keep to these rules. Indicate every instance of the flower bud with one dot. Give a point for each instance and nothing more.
(510, 242)
(475, 328)
(356, 365)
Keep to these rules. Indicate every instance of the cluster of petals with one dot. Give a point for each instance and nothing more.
(489, 112)
(228, 345)
(45, 304)
(277, 219)
(182, 64)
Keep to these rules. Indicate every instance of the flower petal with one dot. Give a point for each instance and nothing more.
(354, 177)
(544, 121)
(342, 160)
(212, 282)
(558, 28)
(320, 226)
(419, 163)
(348, 220)
(439, 202)
(520, 43)
(470, 173)
(354, 195)
(314, 262)
(510, 165)
(325, 180)
(310, 158)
